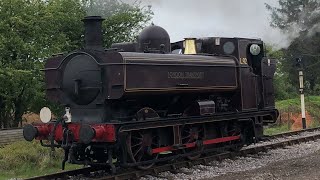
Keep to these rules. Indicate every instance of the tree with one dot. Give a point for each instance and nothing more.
(283, 89)
(122, 22)
(31, 30)
(300, 20)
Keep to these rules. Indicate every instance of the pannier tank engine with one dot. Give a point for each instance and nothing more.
(149, 101)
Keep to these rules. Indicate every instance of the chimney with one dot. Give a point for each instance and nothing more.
(93, 32)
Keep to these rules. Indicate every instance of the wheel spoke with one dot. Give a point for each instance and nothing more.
(141, 134)
(136, 144)
(143, 139)
(186, 130)
(140, 156)
(135, 154)
(133, 137)
(190, 134)
(186, 137)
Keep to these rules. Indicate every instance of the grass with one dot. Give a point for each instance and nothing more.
(281, 128)
(276, 129)
(24, 159)
(293, 105)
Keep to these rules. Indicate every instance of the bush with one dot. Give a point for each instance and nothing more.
(283, 89)
(29, 159)
(293, 105)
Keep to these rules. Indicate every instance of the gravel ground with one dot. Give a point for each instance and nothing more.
(247, 165)
(301, 168)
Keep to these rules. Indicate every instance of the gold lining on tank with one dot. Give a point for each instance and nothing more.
(125, 59)
(181, 89)
(213, 61)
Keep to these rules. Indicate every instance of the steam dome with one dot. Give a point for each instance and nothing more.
(154, 38)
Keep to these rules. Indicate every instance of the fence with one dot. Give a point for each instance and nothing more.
(8, 136)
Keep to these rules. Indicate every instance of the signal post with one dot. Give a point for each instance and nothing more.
(301, 90)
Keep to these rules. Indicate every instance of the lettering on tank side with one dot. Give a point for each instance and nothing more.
(185, 75)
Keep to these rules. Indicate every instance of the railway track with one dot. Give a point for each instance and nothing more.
(174, 166)
(8, 136)
(292, 133)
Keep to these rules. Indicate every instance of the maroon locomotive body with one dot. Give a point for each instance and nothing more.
(152, 100)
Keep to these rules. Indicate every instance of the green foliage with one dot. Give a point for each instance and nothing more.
(25, 159)
(16, 154)
(282, 85)
(299, 20)
(16, 91)
(293, 105)
(122, 22)
(284, 105)
(291, 13)
(31, 30)
(272, 130)
(283, 88)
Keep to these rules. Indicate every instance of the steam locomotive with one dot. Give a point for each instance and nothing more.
(144, 102)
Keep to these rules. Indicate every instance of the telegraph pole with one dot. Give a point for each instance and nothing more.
(301, 89)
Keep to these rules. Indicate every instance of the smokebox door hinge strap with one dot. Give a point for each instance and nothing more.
(77, 84)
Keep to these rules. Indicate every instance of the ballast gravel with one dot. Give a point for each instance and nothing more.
(240, 164)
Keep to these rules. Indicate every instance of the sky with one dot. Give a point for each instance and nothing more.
(228, 18)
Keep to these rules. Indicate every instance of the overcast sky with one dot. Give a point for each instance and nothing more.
(229, 18)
